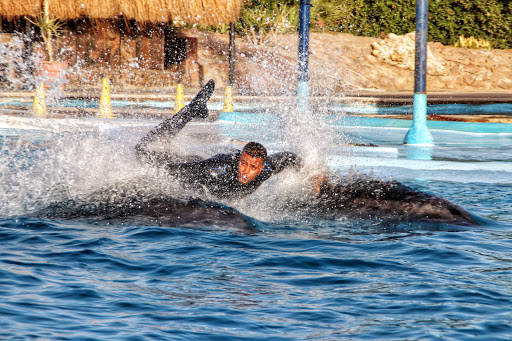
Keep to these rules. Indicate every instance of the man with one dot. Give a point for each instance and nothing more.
(225, 176)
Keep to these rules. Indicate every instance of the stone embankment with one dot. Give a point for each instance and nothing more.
(341, 63)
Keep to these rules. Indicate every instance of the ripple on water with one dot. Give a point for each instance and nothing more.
(328, 282)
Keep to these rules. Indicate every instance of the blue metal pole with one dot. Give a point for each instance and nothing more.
(302, 88)
(419, 133)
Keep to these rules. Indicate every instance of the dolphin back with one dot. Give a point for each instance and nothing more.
(367, 197)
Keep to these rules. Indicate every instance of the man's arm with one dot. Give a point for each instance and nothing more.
(280, 161)
(320, 182)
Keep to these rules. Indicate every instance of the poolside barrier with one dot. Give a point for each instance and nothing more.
(228, 100)
(105, 105)
(39, 105)
(419, 133)
(303, 57)
(418, 152)
(179, 102)
(303, 96)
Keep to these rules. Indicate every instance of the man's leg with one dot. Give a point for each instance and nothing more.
(172, 125)
(198, 104)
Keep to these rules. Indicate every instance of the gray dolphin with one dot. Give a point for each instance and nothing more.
(370, 198)
(130, 204)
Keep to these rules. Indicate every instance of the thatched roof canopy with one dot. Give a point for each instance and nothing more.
(204, 12)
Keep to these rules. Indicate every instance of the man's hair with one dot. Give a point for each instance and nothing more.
(255, 149)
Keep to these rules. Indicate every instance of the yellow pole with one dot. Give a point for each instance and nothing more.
(105, 105)
(179, 102)
(39, 105)
(228, 100)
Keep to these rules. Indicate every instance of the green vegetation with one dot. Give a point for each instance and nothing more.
(489, 20)
(49, 27)
(262, 19)
(473, 43)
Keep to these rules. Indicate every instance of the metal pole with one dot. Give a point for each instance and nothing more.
(303, 59)
(419, 133)
(231, 53)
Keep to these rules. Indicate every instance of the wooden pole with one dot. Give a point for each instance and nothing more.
(231, 53)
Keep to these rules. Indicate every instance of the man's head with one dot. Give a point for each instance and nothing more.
(251, 162)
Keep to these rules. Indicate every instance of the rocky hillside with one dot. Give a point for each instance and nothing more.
(343, 62)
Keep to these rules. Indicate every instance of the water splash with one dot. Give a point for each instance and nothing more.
(17, 66)
(24, 70)
(82, 156)
(72, 158)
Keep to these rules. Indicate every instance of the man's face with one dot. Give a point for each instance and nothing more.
(249, 167)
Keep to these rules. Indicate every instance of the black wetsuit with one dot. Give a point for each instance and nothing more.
(218, 175)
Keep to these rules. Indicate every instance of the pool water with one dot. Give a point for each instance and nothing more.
(294, 279)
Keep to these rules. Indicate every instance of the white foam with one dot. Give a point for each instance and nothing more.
(374, 150)
(337, 161)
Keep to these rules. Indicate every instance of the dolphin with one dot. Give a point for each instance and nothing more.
(353, 196)
(125, 205)
(361, 196)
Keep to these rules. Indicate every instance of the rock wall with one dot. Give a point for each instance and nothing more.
(400, 51)
(339, 63)
(342, 62)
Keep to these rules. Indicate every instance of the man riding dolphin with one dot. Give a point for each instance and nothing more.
(235, 175)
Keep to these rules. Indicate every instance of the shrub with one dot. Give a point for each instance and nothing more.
(490, 20)
(473, 43)
(260, 20)
(340, 16)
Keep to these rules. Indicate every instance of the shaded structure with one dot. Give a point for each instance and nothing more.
(204, 12)
(134, 40)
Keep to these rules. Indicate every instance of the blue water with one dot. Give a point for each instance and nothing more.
(294, 279)
(439, 109)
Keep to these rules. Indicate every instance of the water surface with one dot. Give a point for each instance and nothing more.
(294, 279)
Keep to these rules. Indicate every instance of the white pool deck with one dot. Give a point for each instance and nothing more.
(249, 103)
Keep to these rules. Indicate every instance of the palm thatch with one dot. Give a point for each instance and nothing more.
(203, 12)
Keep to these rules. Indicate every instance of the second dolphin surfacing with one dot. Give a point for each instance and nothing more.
(365, 197)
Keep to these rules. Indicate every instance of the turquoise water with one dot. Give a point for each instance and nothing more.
(294, 279)
(438, 109)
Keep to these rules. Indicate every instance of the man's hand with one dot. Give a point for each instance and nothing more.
(319, 181)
